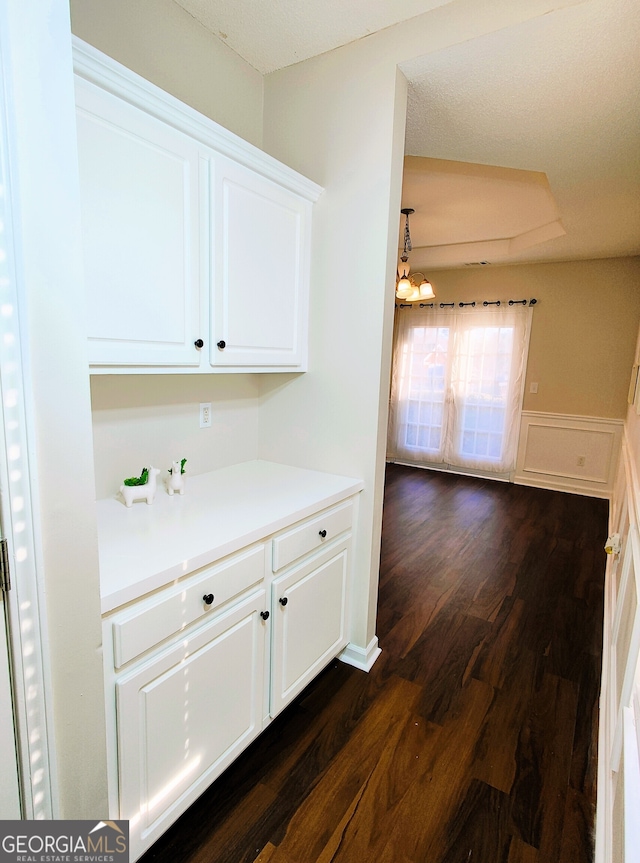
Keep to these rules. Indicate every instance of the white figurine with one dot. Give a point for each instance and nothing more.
(141, 492)
(175, 482)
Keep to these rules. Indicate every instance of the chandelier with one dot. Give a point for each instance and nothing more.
(414, 286)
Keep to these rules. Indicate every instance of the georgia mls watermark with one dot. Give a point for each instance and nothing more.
(64, 842)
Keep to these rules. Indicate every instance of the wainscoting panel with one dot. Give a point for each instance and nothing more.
(568, 453)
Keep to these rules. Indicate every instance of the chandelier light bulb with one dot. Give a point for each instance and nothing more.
(404, 288)
(426, 290)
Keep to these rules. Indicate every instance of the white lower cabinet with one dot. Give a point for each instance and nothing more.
(196, 669)
(184, 715)
(309, 622)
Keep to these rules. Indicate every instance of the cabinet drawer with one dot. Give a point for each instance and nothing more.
(312, 534)
(176, 608)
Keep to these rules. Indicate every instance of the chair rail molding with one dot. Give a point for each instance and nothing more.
(566, 452)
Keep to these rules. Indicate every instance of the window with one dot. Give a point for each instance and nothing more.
(457, 386)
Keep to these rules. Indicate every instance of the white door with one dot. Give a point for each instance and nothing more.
(260, 265)
(9, 783)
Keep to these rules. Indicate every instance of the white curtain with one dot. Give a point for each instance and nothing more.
(457, 386)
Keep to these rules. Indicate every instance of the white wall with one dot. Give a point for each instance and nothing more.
(43, 168)
(339, 119)
(155, 419)
(163, 43)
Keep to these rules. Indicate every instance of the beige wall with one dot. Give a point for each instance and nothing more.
(583, 333)
(632, 425)
(166, 45)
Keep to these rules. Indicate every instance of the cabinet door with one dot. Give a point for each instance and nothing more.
(309, 622)
(184, 716)
(139, 189)
(260, 265)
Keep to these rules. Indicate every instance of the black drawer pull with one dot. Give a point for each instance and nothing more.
(283, 600)
(199, 343)
(322, 533)
(264, 615)
(208, 598)
(221, 344)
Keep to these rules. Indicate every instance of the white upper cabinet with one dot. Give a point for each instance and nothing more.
(139, 192)
(260, 266)
(196, 244)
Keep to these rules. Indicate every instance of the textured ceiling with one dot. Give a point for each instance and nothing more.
(277, 33)
(558, 94)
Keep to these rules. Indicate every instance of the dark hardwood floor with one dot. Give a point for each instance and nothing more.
(473, 738)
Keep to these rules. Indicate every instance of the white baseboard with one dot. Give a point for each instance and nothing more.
(360, 657)
(551, 484)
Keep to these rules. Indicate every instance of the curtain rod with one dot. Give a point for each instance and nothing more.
(473, 304)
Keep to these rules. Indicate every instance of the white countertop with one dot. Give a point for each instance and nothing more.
(146, 547)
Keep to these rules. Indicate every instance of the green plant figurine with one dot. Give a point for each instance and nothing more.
(176, 481)
(182, 464)
(139, 480)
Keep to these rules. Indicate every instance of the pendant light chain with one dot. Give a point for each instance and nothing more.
(407, 235)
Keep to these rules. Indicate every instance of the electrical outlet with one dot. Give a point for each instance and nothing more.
(581, 461)
(205, 415)
(533, 388)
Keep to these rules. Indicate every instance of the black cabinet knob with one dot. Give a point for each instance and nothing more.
(283, 600)
(264, 615)
(199, 343)
(322, 533)
(222, 344)
(208, 598)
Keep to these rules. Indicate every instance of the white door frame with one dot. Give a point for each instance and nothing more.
(25, 601)
(10, 799)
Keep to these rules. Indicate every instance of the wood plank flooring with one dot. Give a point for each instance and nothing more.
(473, 738)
